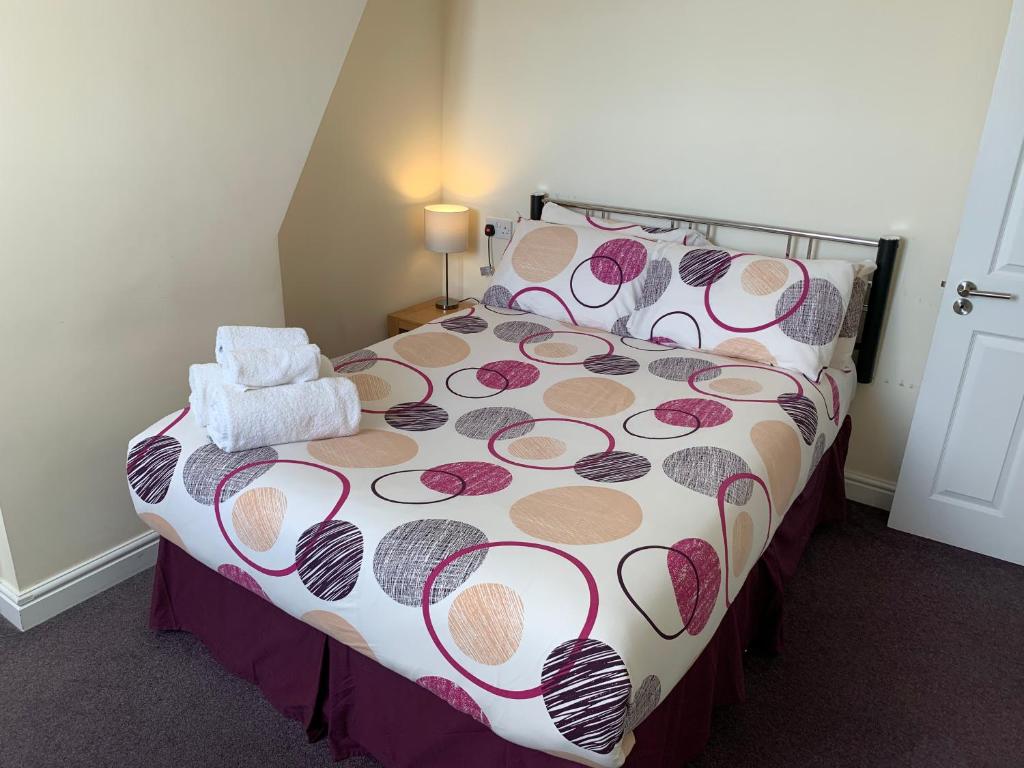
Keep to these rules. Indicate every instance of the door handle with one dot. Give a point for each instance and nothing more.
(967, 288)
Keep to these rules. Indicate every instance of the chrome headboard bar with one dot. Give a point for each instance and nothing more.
(726, 223)
(886, 249)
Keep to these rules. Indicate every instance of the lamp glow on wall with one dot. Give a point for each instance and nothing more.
(446, 230)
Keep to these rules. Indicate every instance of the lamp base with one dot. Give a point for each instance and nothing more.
(446, 304)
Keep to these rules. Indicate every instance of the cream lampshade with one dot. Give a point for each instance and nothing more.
(446, 230)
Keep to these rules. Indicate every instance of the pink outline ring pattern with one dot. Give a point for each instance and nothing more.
(346, 487)
(549, 292)
(723, 489)
(414, 369)
(528, 356)
(692, 382)
(584, 635)
(754, 328)
(497, 436)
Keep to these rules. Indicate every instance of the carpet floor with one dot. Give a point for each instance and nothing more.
(899, 652)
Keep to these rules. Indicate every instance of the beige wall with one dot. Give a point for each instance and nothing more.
(148, 151)
(352, 243)
(860, 117)
(8, 578)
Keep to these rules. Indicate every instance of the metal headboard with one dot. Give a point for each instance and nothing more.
(885, 248)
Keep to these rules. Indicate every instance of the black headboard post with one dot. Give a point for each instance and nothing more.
(881, 281)
(537, 205)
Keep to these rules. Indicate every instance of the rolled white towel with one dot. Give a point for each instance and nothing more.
(312, 410)
(232, 337)
(203, 379)
(271, 366)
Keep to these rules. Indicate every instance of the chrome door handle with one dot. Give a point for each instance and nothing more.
(967, 288)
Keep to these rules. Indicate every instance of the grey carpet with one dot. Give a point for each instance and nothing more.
(899, 652)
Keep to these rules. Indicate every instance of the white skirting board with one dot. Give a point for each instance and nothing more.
(870, 490)
(44, 601)
(37, 604)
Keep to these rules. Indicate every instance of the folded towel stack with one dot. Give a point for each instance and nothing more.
(270, 386)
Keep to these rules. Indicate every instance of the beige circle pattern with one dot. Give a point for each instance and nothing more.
(537, 448)
(738, 387)
(162, 527)
(543, 253)
(370, 386)
(486, 622)
(257, 517)
(742, 542)
(746, 349)
(779, 446)
(588, 397)
(433, 349)
(764, 276)
(370, 448)
(577, 514)
(340, 629)
(553, 349)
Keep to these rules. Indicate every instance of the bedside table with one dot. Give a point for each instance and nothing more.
(419, 314)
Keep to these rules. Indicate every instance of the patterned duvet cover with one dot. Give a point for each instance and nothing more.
(542, 524)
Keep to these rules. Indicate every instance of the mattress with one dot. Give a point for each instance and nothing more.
(541, 524)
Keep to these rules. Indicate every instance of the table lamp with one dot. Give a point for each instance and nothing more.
(446, 230)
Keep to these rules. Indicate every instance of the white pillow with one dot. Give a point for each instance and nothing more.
(785, 312)
(842, 357)
(582, 275)
(557, 214)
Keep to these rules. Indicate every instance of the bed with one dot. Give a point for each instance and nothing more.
(549, 544)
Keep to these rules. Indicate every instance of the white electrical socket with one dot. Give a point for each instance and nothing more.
(502, 227)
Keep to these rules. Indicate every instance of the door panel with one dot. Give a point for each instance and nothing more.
(962, 480)
(982, 443)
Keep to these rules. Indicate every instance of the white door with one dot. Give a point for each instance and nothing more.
(962, 480)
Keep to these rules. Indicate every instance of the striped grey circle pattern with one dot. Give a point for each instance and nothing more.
(703, 266)
(331, 567)
(681, 368)
(854, 310)
(150, 467)
(514, 331)
(703, 468)
(644, 701)
(407, 554)
(612, 467)
(208, 465)
(621, 326)
(611, 365)
(481, 423)
(819, 451)
(656, 282)
(416, 417)
(586, 692)
(818, 319)
(470, 324)
(803, 413)
(367, 359)
(497, 296)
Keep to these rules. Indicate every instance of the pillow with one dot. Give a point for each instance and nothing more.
(784, 312)
(583, 275)
(557, 214)
(842, 357)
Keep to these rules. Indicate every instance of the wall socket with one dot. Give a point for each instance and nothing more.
(502, 227)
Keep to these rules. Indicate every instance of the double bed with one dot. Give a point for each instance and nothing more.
(548, 544)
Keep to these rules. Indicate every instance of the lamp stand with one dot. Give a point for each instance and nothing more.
(446, 303)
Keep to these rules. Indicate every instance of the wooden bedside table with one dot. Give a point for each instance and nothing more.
(419, 314)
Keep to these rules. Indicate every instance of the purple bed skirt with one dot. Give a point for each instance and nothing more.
(363, 708)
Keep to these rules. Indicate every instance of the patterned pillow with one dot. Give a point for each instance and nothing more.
(842, 357)
(580, 274)
(557, 214)
(784, 312)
